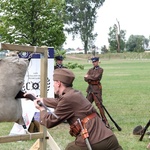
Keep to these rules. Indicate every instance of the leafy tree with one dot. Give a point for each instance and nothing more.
(104, 49)
(71, 65)
(80, 19)
(137, 43)
(60, 53)
(116, 40)
(32, 22)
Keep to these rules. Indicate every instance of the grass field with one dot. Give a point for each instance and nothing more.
(126, 86)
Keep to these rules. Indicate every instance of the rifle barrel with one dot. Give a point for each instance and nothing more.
(145, 128)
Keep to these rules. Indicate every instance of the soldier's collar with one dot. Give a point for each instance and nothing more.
(96, 67)
(67, 89)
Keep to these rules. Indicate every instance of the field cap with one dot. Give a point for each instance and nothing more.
(94, 59)
(138, 130)
(64, 75)
(59, 58)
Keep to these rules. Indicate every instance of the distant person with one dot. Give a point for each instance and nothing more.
(59, 62)
(73, 107)
(94, 90)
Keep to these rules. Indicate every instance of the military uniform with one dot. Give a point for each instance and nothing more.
(60, 58)
(72, 105)
(93, 79)
(94, 89)
(58, 66)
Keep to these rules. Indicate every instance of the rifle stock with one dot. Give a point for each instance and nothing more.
(32, 97)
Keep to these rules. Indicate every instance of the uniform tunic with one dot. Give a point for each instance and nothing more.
(94, 74)
(70, 106)
(57, 66)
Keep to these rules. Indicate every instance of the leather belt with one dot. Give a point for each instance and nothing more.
(89, 117)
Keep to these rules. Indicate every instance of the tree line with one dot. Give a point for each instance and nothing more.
(45, 22)
(118, 43)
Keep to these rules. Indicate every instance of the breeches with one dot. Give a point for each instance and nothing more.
(111, 143)
(90, 97)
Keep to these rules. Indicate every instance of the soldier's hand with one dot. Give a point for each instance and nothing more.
(38, 103)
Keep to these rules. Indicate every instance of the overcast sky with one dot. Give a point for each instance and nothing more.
(133, 15)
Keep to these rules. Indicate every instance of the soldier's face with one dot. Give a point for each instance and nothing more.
(95, 63)
(59, 62)
(56, 87)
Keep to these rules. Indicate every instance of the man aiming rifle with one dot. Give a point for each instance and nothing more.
(85, 124)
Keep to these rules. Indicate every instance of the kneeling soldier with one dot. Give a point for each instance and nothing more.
(82, 117)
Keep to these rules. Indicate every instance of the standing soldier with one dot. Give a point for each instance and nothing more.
(59, 62)
(94, 90)
(85, 124)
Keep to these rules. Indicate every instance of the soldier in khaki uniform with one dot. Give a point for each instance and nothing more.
(94, 89)
(72, 106)
(93, 78)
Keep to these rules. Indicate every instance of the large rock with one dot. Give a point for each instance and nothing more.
(12, 73)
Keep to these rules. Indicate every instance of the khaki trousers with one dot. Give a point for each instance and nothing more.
(110, 143)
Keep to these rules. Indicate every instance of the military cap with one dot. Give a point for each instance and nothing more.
(59, 58)
(64, 75)
(94, 59)
(138, 130)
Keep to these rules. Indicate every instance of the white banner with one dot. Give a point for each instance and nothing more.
(32, 78)
(32, 85)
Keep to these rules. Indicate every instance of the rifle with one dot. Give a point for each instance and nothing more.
(144, 130)
(117, 126)
(101, 107)
(85, 135)
(31, 97)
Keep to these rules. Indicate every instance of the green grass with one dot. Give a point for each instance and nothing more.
(126, 86)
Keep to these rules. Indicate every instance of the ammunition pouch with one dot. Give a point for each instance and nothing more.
(75, 128)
